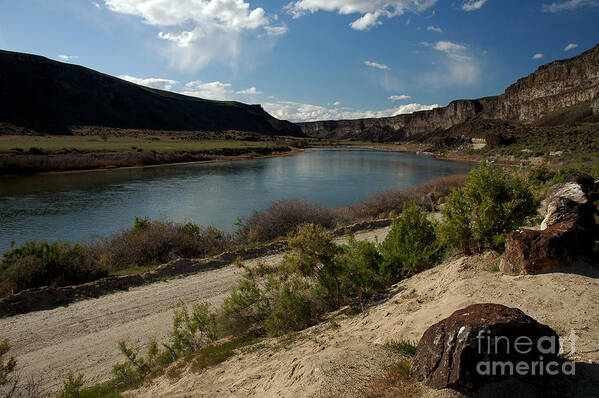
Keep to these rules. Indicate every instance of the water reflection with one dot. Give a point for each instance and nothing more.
(79, 206)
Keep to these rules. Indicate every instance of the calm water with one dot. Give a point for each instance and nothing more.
(83, 206)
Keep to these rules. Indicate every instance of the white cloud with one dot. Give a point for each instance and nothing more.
(276, 30)
(161, 84)
(371, 10)
(336, 103)
(570, 46)
(538, 56)
(68, 57)
(298, 112)
(568, 5)
(472, 5)
(456, 67)
(249, 91)
(401, 97)
(212, 90)
(97, 5)
(447, 47)
(376, 65)
(435, 29)
(201, 31)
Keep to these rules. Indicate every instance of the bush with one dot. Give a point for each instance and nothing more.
(40, 264)
(411, 245)
(360, 274)
(387, 203)
(157, 242)
(313, 254)
(72, 386)
(489, 206)
(283, 217)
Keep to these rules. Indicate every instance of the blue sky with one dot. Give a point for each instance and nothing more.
(308, 59)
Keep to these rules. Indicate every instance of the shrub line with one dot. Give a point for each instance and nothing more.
(48, 297)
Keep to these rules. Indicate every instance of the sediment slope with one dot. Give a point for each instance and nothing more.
(345, 357)
(554, 86)
(50, 97)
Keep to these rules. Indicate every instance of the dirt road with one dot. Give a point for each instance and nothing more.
(82, 337)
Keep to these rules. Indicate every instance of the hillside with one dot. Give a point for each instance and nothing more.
(50, 97)
(554, 87)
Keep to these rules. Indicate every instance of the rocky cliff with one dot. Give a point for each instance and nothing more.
(51, 97)
(554, 86)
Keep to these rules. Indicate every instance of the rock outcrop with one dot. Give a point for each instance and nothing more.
(554, 86)
(567, 231)
(464, 350)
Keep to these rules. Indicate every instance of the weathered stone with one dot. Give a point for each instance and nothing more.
(457, 351)
(570, 201)
(566, 210)
(533, 252)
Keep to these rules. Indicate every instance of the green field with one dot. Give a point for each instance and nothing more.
(96, 144)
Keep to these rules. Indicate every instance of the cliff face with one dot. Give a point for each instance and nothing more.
(50, 97)
(554, 86)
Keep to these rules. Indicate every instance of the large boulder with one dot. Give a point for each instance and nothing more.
(533, 252)
(480, 344)
(567, 231)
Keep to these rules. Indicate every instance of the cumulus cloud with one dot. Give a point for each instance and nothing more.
(401, 97)
(153, 82)
(371, 10)
(568, 5)
(435, 29)
(570, 46)
(298, 112)
(210, 90)
(249, 91)
(376, 65)
(472, 5)
(68, 57)
(201, 31)
(538, 56)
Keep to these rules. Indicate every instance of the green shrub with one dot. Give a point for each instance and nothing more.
(41, 264)
(294, 307)
(360, 276)
(72, 386)
(313, 254)
(194, 330)
(411, 245)
(489, 206)
(403, 347)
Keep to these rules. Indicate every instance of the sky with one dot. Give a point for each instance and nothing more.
(307, 60)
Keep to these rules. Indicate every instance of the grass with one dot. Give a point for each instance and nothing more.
(217, 353)
(403, 347)
(133, 270)
(95, 144)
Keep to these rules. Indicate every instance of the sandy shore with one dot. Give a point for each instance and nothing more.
(82, 337)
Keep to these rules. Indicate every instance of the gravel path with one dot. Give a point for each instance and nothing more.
(82, 337)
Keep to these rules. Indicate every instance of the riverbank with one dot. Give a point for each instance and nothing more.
(82, 337)
(22, 164)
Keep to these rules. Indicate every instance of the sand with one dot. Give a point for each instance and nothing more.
(341, 361)
(83, 337)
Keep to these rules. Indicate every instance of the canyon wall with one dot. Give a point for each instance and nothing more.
(554, 86)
